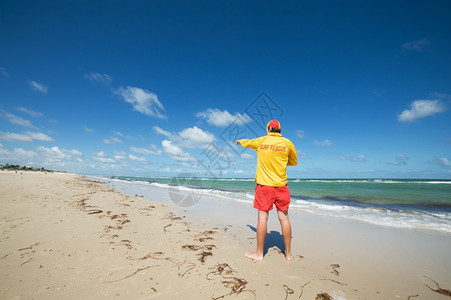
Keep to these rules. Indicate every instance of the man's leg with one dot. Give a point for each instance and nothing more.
(262, 228)
(286, 232)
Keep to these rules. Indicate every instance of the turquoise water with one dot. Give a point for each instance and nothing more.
(404, 203)
(381, 192)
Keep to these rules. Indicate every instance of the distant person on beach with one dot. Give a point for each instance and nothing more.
(274, 154)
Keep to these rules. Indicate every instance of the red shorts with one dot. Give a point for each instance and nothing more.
(267, 196)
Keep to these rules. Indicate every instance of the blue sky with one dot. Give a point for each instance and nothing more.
(158, 88)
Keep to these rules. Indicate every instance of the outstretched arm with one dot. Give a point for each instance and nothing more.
(292, 156)
(246, 143)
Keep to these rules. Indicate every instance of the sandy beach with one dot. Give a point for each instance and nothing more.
(65, 237)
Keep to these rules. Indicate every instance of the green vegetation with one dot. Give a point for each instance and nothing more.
(22, 168)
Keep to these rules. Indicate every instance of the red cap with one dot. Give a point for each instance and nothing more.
(274, 123)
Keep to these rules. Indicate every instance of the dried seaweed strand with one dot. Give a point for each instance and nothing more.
(334, 269)
(288, 291)
(30, 259)
(206, 251)
(134, 273)
(325, 278)
(164, 228)
(302, 289)
(439, 290)
(6, 255)
(323, 296)
(193, 265)
(236, 284)
(21, 249)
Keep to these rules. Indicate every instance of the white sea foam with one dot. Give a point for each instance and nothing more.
(410, 219)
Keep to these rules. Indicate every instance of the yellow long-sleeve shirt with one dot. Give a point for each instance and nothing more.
(274, 154)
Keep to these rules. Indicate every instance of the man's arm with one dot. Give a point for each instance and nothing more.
(292, 155)
(253, 144)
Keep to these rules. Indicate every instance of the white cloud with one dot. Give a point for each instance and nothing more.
(417, 46)
(18, 155)
(57, 153)
(146, 151)
(359, 158)
(100, 154)
(196, 137)
(400, 160)
(27, 154)
(112, 141)
(175, 152)
(142, 101)
(13, 119)
(172, 149)
(135, 158)
(442, 161)
(119, 133)
(39, 136)
(104, 79)
(192, 137)
(41, 156)
(38, 86)
(53, 152)
(325, 143)
(246, 156)
(14, 137)
(102, 157)
(300, 133)
(161, 131)
(27, 137)
(88, 129)
(74, 152)
(4, 73)
(119, 155)
(220, 118)
(301, 154)
(30, 112)
(421, 109)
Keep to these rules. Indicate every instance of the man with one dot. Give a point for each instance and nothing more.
(274, 154)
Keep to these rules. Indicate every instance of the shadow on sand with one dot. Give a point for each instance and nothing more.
(273, 238)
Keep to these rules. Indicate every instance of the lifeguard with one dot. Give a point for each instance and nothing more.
(274, 154)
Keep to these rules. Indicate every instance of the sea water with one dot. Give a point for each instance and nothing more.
(401, 203)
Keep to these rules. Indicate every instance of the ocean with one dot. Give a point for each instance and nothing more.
(402, 203)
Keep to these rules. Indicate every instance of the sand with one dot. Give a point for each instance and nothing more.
(64, 237)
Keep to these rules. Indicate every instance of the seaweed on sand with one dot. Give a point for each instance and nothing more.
(160, 255)
(206, 251)
(171, 216)
(130, 275)
(302, 288)
(334, 269)
(165, 227)
(439, 290)
(323, 296)
(236, 285)
(288, 291)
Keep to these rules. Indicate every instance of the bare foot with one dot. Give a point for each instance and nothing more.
(254, 256)
(289, 256)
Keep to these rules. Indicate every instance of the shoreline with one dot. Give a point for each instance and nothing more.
(66, 237)
(409, 215)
